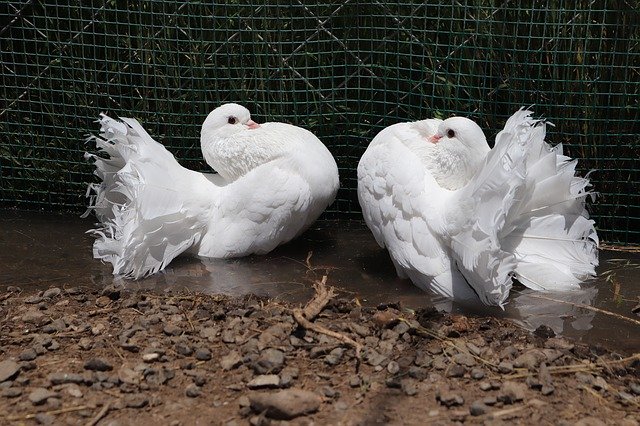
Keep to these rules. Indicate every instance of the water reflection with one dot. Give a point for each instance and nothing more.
(38, 251)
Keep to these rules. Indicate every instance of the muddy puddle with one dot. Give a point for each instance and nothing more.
(38, 251)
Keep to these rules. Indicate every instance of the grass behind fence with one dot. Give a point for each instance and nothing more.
(343, 69)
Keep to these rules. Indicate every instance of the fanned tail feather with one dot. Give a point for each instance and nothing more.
(491, 195)
(529, 217)
(147, 215)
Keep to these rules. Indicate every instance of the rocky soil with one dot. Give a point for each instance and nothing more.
(76, 356)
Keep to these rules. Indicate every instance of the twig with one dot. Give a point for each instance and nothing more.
(59, 411)
(299, 316)
(103, 412)
(313, 308)
(591, 308)
(322, 296)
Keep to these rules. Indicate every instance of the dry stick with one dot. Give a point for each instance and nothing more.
(59, 411)
(591, 308)
(313, 309)
(100, 414)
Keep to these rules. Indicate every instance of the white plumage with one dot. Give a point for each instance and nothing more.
(273, 182)
(462, 220)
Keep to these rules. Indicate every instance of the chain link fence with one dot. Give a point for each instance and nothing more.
(342, 69)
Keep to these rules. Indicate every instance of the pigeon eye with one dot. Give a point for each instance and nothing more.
(231, 120)
(450, 133)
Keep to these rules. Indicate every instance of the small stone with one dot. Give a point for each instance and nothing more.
(635, 387)
(112, 291)
(547, 390)
(184, 349)
(456, 370)
(287, 376)
(477, 374)
(40, 395)
(450, 399)
(485, 386)
(59, 378)
(74, 390)
(599, 384)
(409, 387)
(270, 361)
(51, 293)
(505, 367)
(44, 419)
(230, 361)
(490, 400)
(203, 354)
(136, 401)
(393, 367)
(559, 343)
(334, 356)
(98, 364)
(8, 370)
(585, 378)
(11, 392)
(172, 330)
(286, 404)
(264, 381)
(28, 355)
(151, 357)
(200, 380)
(465, 359)
(512, 392)
(529, 360)
(478, 408)
(355, 381)
(544, 331)
(329, 392)
(103, 301)
(32, 300)
(193, 391)
(85, 343)
(417, 373)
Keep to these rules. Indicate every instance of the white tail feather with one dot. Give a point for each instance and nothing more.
(143, 201)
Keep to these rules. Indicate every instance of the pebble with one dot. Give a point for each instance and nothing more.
(477, 374)
(547, 390)
(230, 361)
(505, 367)
(635, 387)
(11, 392)
(172, 330)
(465, 359)
(44, 419)
(184, 349)
(103, 301)
(335, 356)
(40, 395)
(329, 392)
(28, 355)
(270, 361)
(512, 392)
(456, 370)
(151, 357)
(393, 367)
(203, 354)
(98, 364)
(8, 370)
(409, 387)
(193, 391)
(136, 401)
(355, 381)
(264, 381)
(59, 378)
(478, 408)
(51, 293)
(450, 399)
(285, 405)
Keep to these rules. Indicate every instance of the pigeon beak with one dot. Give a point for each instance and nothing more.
(252, 124)
(435, 138)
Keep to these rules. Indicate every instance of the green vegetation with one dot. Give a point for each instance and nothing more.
(343, 69)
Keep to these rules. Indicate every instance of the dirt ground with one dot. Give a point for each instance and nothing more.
(114, 357)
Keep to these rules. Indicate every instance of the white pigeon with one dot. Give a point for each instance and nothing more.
(461, 219)
(273, 181)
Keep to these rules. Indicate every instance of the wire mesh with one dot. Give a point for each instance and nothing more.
(343, 69)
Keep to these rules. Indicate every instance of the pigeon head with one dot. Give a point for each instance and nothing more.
(460, 131)
(227, 120)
